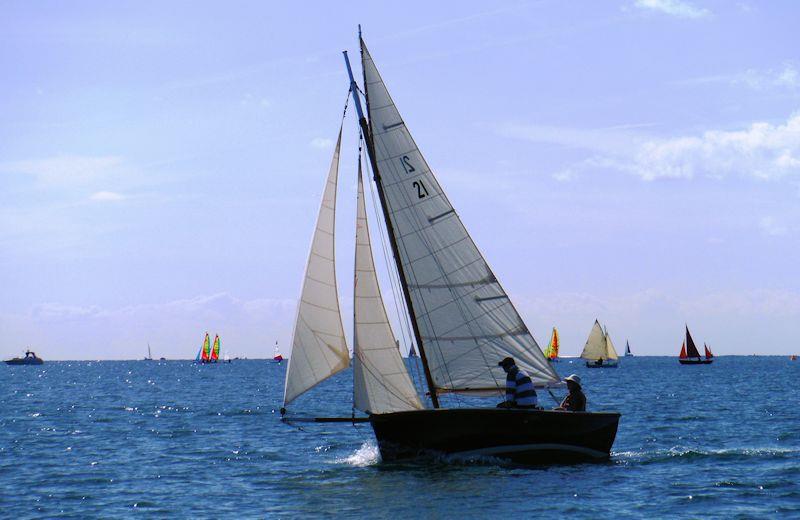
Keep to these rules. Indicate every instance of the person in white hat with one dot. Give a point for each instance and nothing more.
(575, 400)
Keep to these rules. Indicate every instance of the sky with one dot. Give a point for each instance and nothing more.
(634, 161)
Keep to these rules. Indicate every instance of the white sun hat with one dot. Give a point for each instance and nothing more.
(575, 378)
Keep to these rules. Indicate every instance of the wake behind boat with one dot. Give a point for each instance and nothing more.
(30, 359)
(462, 319)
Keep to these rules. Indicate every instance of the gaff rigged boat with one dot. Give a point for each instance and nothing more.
(599, 351)
(463, 321)
(689, 354)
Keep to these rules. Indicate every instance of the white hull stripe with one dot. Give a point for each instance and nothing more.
(516, 448)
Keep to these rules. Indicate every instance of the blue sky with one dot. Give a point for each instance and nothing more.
(637, 161)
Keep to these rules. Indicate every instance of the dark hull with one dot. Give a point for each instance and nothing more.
(22, 361)
(522, 436)
(589, 364)
(695, 361)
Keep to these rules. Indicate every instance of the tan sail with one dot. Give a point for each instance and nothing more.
(319, 349)
(611, 352)
(595, 347)
(381, 383)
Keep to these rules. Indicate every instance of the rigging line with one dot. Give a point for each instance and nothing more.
(400, 309)
(393, 276)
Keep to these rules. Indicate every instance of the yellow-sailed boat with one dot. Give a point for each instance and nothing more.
(551, 352)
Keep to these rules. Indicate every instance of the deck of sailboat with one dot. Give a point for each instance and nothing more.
(521, 436)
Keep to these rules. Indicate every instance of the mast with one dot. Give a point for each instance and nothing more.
(365, 130)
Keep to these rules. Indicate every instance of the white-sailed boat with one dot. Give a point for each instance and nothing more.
(463, 321)
(599, 351)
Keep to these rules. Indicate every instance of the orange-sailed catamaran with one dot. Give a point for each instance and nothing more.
(551, 352)
(204, 354)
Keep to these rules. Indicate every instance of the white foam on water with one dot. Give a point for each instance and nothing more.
(366, 455)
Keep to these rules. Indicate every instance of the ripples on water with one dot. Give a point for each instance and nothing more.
(176, 439)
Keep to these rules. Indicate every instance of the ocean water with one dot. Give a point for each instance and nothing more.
(174, 439)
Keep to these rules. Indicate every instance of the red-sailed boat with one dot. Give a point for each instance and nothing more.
(690, 355)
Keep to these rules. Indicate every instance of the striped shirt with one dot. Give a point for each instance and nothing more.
(519, 388)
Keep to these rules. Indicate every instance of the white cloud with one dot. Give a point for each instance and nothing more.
(763, 150)
(786, 77)
(64, 170)
(107, 196)
(770, 226)
(678, 8)
(321, 143)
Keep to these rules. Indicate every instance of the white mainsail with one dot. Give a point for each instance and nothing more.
(319, 349)
(466, 319)
(381, 383)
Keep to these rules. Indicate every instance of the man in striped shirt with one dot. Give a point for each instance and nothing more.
(520, 392)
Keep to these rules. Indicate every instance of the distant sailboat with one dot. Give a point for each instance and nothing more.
(30, 359)
(628, 352)
(215, 350)
(599, 351)
(204, 355)
(277, 357)
(551, 352)
(690, 355)
(411, 352)
(149, 354)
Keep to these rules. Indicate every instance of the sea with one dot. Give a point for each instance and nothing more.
(174, 439)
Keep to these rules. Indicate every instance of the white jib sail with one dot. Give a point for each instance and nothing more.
(381, 383)
(319, 349)
(466, 320)
(595, 347)
(611, 352)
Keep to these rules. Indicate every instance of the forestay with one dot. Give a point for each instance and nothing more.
(381, 383)
(595, 347)
(319, 349)
(466, 319)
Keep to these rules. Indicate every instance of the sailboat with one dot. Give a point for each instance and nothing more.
(689, 354)
(149, 354)
(551, 352)
(277, 357)
(628, 352)
(599, 351)
(214, 357)
(463, 321)
(204, 354)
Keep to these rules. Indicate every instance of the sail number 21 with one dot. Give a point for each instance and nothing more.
(422, 191)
